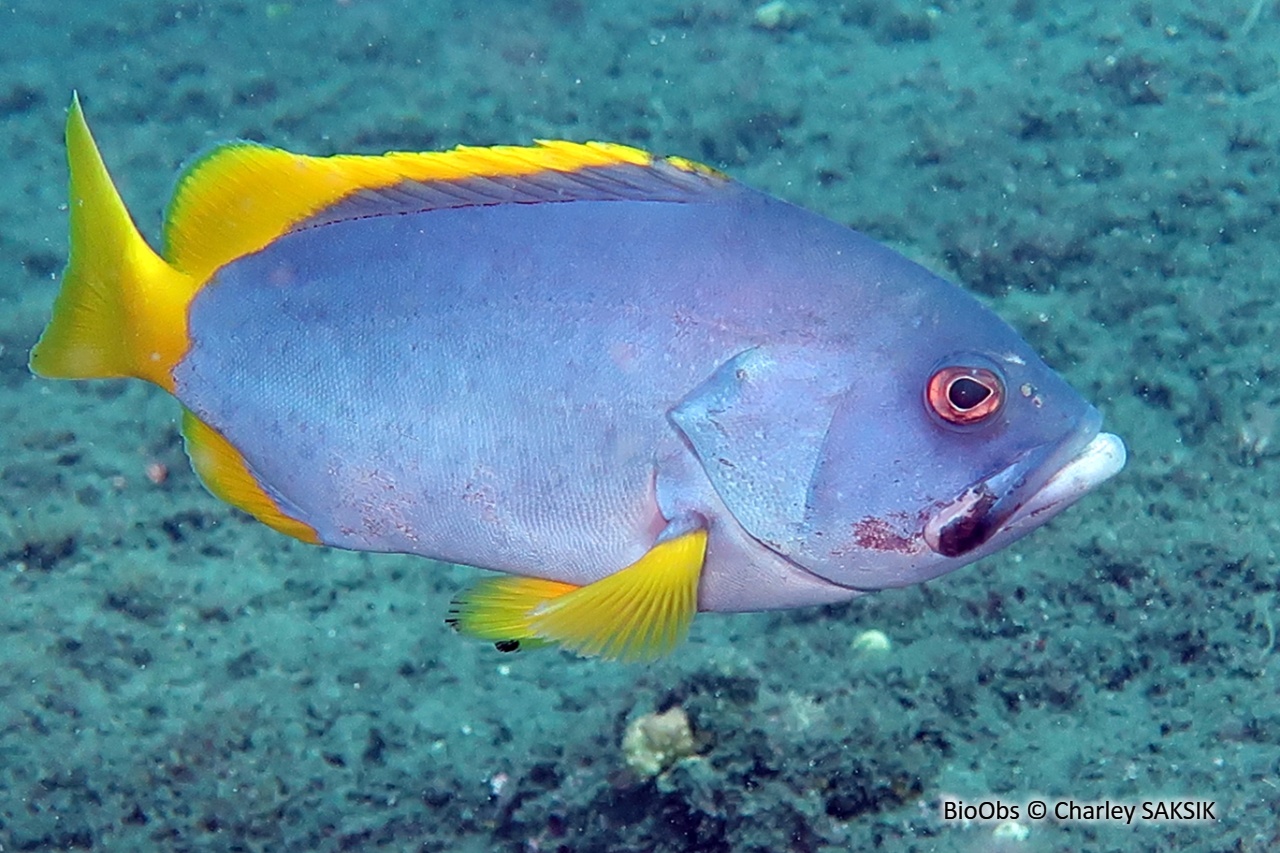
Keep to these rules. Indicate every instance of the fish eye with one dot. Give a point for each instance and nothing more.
(964, 395)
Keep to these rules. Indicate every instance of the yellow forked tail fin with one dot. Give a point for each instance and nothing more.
(122, 309)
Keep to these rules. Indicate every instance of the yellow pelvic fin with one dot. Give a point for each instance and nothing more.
(639, 613)
(242, 196)
(122, 309)
(497, 609)
(225, 473)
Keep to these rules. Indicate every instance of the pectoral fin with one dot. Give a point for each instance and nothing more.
(641, 612)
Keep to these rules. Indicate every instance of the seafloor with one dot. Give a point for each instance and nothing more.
(174, 676)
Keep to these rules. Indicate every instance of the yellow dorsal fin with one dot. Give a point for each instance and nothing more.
(639, 613)
(241, 196)
(121, 310)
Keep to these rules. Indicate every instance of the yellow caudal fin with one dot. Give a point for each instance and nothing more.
(122, 309)
(639, 613)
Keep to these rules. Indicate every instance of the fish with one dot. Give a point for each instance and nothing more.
(629, 386)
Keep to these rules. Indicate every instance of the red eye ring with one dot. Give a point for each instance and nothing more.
(964, 395)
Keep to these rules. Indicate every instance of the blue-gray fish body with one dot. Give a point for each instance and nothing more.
(538, 388)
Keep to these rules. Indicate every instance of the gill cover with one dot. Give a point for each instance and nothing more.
(758, 426)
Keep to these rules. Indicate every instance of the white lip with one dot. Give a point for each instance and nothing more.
(1100, 459)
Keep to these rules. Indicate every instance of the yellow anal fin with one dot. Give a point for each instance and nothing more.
(639, 613)
(225, 474)
(122, 310)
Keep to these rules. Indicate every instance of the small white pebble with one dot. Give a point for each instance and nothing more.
(872, 642)
(1010, 830)
(776, 15)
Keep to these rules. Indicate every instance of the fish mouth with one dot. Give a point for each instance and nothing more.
(1025, 494)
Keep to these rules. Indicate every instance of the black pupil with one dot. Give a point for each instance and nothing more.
(965, 393)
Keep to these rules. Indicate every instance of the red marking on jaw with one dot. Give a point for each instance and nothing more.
(876, 534)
